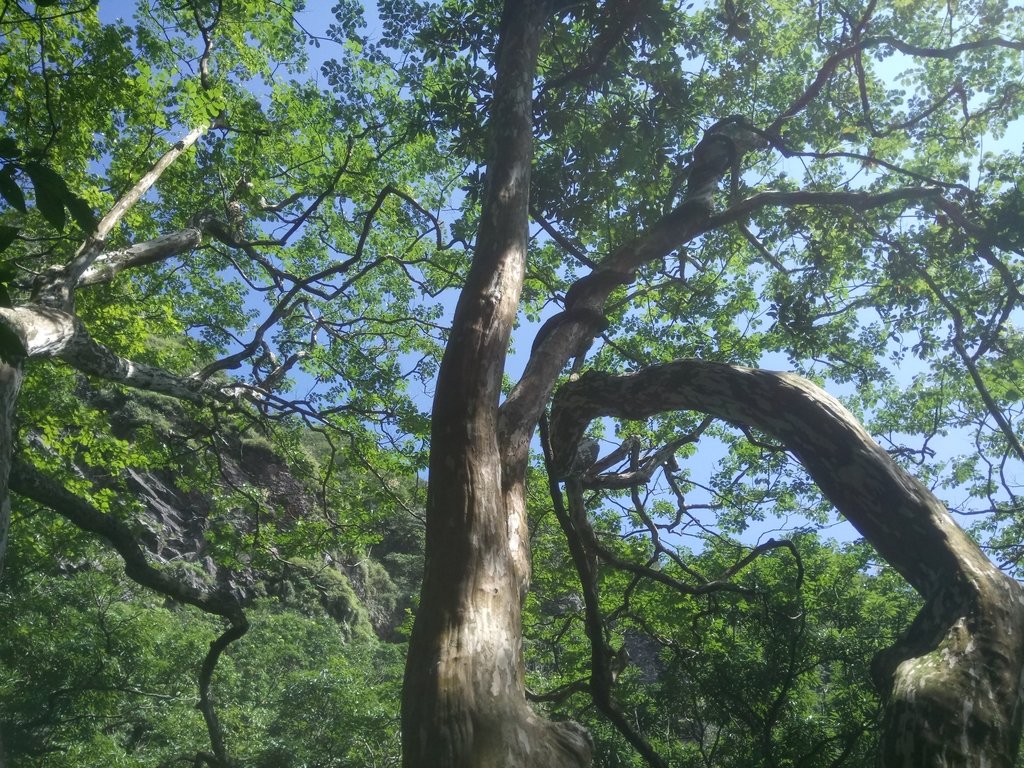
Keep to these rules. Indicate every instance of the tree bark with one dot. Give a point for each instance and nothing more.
(464, 701)
(11, 376)
(952, 686)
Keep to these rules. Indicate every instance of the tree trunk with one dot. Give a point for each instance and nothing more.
(11, 375)
(952, 685)
(463, 698)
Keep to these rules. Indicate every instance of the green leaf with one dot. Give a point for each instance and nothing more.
(8, 271)
(51, 193)
(7, 235)
(10, 191)
(81, 212)
(11, 346)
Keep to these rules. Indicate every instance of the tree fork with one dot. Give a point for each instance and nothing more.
(952, 685)
(464, 698)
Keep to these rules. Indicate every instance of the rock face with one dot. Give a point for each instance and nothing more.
(359, 590)
(173, 532)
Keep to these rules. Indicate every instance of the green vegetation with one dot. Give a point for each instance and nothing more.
(233, 234)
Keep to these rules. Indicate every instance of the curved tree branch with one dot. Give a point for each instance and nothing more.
(966, 645)
(29, 482)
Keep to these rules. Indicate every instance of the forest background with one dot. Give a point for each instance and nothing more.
(232, 235)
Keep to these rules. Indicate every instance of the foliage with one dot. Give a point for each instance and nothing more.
(95, 671)
(334, 213)
(776, 674)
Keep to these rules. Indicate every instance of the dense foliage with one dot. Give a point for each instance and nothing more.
(241, 400)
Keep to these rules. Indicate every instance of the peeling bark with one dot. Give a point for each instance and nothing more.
(953, 684)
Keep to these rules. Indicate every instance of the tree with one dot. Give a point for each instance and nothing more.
(155, 294)
(464, 702)
(730, 184)
(772, 672)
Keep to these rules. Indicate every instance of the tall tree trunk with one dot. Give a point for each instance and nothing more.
(11, 375)
(953, 685)
(464, 699)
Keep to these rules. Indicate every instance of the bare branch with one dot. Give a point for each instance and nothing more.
(564, 243)
(206, 30)
(856, 200)
(93, 246)
(958, 346)
(943, 53)
(111, 263)
(582, 546)
(760, 247)
(642, 474)
(206, 702)
(57, 289)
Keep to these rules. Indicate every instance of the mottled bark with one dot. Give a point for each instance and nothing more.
(953, 685)
(464, 701)
(111, 263)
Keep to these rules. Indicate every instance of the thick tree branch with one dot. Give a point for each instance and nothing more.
(967, 644)
(47, 332)
(57, 288)
(29, 482)
(586, 298)
(561, 337)
(812, 424)
(110, 264)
